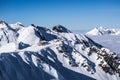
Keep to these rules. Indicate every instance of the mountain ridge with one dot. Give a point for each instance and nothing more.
(39, 53)
(103, 31)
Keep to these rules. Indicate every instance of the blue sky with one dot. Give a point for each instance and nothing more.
(73, 14)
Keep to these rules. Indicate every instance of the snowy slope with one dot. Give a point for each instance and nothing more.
(103, 31)
(27, 35)
(40, 53)
(7, 33)
(17, 26)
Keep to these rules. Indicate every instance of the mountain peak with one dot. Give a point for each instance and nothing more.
(38, 53)
(101, 27)
(61, 29)
(103, 31)
(3, 24)
(32, 25)
(19, 23)
(1, 21)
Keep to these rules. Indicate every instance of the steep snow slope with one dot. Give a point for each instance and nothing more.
(7, 33)
(17, 26)
(58, 54)
(10, 47)
(27, 35)
(103, 31)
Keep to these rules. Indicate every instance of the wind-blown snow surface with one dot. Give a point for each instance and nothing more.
(103, 31)
(39, 53)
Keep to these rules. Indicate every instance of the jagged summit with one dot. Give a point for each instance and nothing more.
(32, 25)
(61, 29)
(19, 23)
(3, 24)
(103, 31)
(1, 21)
(17, 26)
(39, 53)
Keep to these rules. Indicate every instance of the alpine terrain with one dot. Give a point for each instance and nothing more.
(103, 31)
(39, 53)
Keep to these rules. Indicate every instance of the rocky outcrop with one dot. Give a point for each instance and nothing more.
(61, 29)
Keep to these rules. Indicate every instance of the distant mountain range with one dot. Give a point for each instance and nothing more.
(39, 53)
(103, 31)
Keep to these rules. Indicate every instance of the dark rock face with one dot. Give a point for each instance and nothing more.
(33, 25)
(1, 21)
(109, 61)
(44, 33)
(61, 29)
(22, 45)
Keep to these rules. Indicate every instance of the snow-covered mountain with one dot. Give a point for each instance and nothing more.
(103, 31)
(8, 33)
(39, 53)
